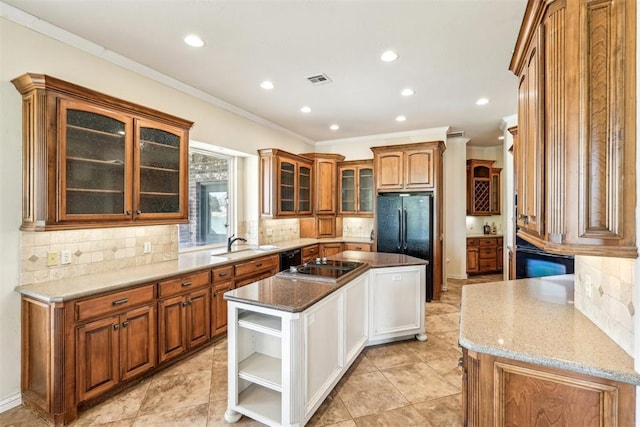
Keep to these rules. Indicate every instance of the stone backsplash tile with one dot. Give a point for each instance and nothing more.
(95, 250)
(356, 227)
(604, 293)
(278, 230)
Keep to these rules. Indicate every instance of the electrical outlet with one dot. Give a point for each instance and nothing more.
(588, 286)
(65, 257)
(52, 259)
(146, 247)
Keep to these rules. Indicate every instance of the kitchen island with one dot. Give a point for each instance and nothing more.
(290, 339)
(531, 358)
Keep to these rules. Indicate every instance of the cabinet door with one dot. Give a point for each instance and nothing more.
(348, 190)
(219, 308)
(495, 192)
(394, 293)
(329, 249)
(198, 312)
(160, 167)
(356, 317)
(419, 169)
(365, 190)
(287, 187)
(97, 357)
(390, 170)
(96, 160)
(172, 327)
(472, 260)
(137, 341)
(325, 187)
(530, 147)
(304, 190)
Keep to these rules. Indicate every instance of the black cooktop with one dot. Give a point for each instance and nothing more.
(321, 270)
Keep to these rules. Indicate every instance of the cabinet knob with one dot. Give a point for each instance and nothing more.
(215, 294)
(127, 213)
(125, 323)
(116, 327)
(190, 302)
(259, 265)
(184, 304)
(138, 212)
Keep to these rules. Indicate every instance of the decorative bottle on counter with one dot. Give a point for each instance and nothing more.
(494, 229)
(486, 228)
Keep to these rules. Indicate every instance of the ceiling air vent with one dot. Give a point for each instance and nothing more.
(319, 79)
(455, 134)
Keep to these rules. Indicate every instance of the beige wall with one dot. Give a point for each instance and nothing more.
(23, 50)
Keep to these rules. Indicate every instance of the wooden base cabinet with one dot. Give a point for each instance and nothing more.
(504, 392)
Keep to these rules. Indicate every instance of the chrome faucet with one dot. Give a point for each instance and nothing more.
(232, 239)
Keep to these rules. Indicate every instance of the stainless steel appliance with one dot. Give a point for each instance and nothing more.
(405, 225)
(322, 270)
(534, 262)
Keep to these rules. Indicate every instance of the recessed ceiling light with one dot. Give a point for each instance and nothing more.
(401, 119)
(407, 92)
(306, 109)
(389, 56)
(193, 40)
(266, 85)
(482, 101)
(501, 137)
(334, 127)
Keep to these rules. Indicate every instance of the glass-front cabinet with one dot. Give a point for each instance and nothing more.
(483, 187)
(355, 180)
(93, 160)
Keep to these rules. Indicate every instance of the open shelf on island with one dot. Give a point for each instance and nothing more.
(262, 369)
(261, 322)
(261, 404)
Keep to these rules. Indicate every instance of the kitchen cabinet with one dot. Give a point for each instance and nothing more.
(324, 181)
(320, 226)
(364, 247)
(406, 167)
(255, 269)
(499, 391)
(355, 188)
(286, 183)
(483, 188)
(310, 253)
(184, 314)
(575, 154)
(328, 249)
(356, 318)
(92, 160)
(222, 278)
(484, 254)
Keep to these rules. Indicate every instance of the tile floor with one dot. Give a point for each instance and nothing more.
(408, 383)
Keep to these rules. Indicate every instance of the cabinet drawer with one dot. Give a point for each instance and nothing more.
(112, 303)
(221, 274)
(256, 265)
(488, 264)
(255, 278)
(364, 247)
(311, 251)
(183, 284)
(488, 242)
(487, 253)
(472, 242)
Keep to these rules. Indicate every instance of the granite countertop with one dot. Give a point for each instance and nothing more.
(295, 295)
(478, 235)
(534, 321)
(187, 262)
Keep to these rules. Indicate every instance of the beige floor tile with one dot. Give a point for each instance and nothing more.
(369, 393)
(435, 308)
(218, 384)
(21, 417)
(201, 361)
(348, 423)
(176, 392)
(446, 411)
(419, 382)
(216, 416)
(405, 416)
(442, 323)
(331, 411)
(123, 406)
(192, 416)
(390, 355)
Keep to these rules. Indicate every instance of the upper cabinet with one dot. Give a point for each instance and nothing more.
(355, 188)
(406, 167)
(325, 167)
(483, 188)
(90, 160)
(286, 182)
(576, 149)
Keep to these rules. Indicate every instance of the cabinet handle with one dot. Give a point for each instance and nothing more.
(185, 284)
(125, 323)
(116, 327)
(184, 304)
(190, 302)
(127, 213)
(224, 273)
(230, 289)
(258, 265)
(120, 301)
(358, 248)
(460, 362)
(215, 294)
(138, 212)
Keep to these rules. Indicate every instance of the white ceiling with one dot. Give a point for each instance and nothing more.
(451, 53)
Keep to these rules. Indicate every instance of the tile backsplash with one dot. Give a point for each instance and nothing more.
(604, 293)
(359, 228)
(95, 250)
(278, 230)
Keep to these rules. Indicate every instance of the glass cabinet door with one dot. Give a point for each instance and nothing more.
(287, 186)
(495, 193)
(158, 161)
(95, 157)
(365, 191)
(304, 189)
(348, 185)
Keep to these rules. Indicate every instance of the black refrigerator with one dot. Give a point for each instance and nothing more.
(405, 225)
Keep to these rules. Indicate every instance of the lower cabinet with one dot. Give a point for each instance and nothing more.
(484, 254)
(504, 392)
(364, 247)
(222, 282)
(114, 349)
(329, 249)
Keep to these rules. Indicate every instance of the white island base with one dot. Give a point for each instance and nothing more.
(283, 364)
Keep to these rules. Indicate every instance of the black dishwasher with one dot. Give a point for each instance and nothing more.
(290, 259)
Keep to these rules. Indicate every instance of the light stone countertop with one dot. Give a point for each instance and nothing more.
(480, 235)
(187, 262)
(534, 321)
(295, 295)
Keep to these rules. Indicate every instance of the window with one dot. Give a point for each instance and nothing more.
(210, 199)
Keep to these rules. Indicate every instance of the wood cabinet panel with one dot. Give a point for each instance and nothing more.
(137, 342)
(364, 247)
(483, 187)
(182, 284)
(419, 169)
(93, 161)
(172, 327)
(219, 307)
(355, 188)
(389, 168)
(99, 306)
(311, 252)
(199, 317)
(256, 265)
(484, 254)
(329, 249)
